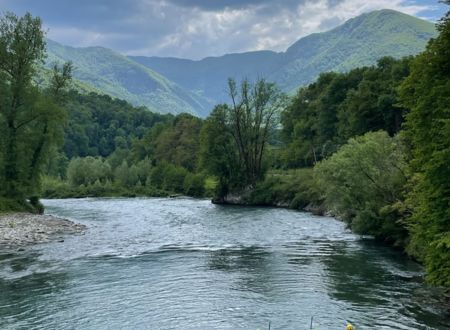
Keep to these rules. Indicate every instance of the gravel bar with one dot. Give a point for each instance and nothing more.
(20, 229)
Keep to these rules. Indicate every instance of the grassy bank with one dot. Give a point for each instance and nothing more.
(56, 188)
(8, 205)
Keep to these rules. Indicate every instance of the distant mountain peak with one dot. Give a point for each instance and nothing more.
(167, 84)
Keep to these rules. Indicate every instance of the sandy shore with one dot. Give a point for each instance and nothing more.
(19, 229)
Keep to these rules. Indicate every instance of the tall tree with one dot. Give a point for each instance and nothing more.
(235, 136)
(427, 93)
(30, 119)
(339, 106)
(218, 152)
(253, 116)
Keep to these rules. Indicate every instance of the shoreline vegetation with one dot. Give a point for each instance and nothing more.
(370, 146)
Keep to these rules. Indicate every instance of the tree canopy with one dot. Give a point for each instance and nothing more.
(427, 93)
(242, 130)
(31, 120)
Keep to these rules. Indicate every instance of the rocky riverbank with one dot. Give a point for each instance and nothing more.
(20, 229)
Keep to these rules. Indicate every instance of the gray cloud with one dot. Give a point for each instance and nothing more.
(197, 28)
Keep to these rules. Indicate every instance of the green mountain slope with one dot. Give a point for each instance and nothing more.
(208, 77)
(358, 42)
(120, 77)
(172, 85)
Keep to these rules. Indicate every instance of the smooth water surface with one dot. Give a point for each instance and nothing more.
(187, 264)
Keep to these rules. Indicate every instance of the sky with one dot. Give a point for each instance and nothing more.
(199, 28)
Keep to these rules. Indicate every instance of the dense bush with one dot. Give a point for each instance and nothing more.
(12, 205)
(364, 184)
(295, 189)
(427, 93)
(86, 171)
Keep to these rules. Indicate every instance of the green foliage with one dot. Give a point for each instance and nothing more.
(176, 142)
(31, 120)
(98, 125)
(427, 93)
(174, 177)
(86, 171)
(8, 205)
(120, 77)
(295, 189)
(361, 41)
(364, 182)
(218, 153)
(90, 176)
(126, 176)
(325, 114)
(194, 185)
(242, 130)
(358, 42)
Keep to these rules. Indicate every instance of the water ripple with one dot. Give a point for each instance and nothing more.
(184, 263)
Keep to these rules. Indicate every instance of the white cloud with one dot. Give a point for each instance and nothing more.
(251, 28)
(196, 28)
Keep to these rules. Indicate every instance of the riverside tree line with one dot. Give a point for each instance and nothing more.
(371, 145)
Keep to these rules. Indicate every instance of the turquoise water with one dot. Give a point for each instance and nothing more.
(187, 264)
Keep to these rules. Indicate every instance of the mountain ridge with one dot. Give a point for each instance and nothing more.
(174, 85)
(121, 77)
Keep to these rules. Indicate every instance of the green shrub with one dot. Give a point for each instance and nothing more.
(194, 185)
(295, 189)
(364, 182)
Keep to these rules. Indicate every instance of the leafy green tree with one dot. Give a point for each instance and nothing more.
(85, 171)
(31, 120)
(194, 185)
(338, 106)
(174, 178)
(364, 182)
(373, 105)
(235, 137)
(427, 93)
(252, 118)
(218, 152)
(156, 178)
(179, 143)
(99, 125)
(143, 170)
(176, 142)
(126, 176)
(310, 120)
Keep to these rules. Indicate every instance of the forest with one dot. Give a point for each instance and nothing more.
(370, 146)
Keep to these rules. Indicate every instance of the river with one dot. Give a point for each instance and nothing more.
(150, 263)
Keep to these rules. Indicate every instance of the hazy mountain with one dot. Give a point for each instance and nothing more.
(172, 85)
(119, 76)
(358, 42)
(208, 77)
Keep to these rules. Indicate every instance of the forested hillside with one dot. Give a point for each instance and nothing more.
(360, 41)
(171, 85)
(118, 76)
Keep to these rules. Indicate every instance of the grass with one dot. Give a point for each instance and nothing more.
(11, 206)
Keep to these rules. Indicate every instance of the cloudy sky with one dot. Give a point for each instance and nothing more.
(199, 28)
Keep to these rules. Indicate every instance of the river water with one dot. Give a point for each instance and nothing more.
(187, 264)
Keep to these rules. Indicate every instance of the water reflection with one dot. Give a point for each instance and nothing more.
(26, 285)
(251, 264)
(364, 276)
(187, 264)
